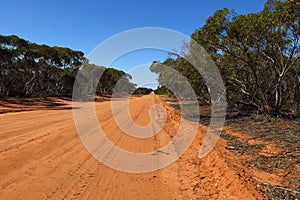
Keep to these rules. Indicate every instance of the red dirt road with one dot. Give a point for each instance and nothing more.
(42, 157)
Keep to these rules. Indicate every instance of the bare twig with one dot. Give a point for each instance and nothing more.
(280, 187)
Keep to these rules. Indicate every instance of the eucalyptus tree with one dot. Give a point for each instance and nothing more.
(257, 55)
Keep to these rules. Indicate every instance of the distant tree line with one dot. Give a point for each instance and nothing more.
(143, 90)
(31, 70)
(257, 55)
(101, 80)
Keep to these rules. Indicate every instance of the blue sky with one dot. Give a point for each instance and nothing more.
(83, 24)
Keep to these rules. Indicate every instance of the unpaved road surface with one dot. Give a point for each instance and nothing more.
(42, 157)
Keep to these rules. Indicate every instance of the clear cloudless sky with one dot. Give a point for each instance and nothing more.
(83, 24)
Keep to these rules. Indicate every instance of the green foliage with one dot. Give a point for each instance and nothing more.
(29, 69)
(110, 78)
(143, 90)
(162, 90)
(168, 78)
(257, 55)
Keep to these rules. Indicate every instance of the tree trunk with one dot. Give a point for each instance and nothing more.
(278, 96)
